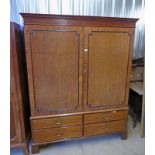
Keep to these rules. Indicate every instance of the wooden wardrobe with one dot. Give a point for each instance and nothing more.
(19, 100)
(78, 74)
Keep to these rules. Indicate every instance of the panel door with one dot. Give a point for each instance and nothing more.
(107, 57)
(54, 61)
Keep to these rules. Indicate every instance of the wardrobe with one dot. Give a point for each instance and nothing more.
(78, 75)
(19, 100)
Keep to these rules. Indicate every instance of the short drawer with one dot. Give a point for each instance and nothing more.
(56, 122)
(103, 128)
(55, 134)
(105, 116)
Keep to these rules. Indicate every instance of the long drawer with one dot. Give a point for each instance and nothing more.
(103, 128)
(54, 134)
(56, 121)
(105, 116)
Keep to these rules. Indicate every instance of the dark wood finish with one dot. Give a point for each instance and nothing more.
(46, 19)
(56, 122)
(12, 122)
(135, 105)
(136, 89)
(19, 102)
(78, 73)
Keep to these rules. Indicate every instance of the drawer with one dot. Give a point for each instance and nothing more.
(105, 116)
(103, 128)
(54, 134)
(56, 121)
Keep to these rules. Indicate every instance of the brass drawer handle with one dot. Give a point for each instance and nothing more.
(58, 122)
(59, 135)
(105, 129)
(106, 118)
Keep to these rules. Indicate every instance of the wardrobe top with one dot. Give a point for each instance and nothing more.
(53, 19)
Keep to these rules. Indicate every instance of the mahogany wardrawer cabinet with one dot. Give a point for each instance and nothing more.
(19, 100)
(78, 74)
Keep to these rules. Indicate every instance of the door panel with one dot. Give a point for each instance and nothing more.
(55, 59)
(107, 66)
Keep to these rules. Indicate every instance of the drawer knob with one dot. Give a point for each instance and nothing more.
(85, 50)
(58, 123)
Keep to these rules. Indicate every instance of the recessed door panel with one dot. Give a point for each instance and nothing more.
(55, 60)
(108, 55)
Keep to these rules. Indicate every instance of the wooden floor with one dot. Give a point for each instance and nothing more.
(103, 145)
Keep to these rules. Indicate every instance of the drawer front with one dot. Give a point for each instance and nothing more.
(54, 134)
(103, 128)
(55, 122)
(105, 116)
